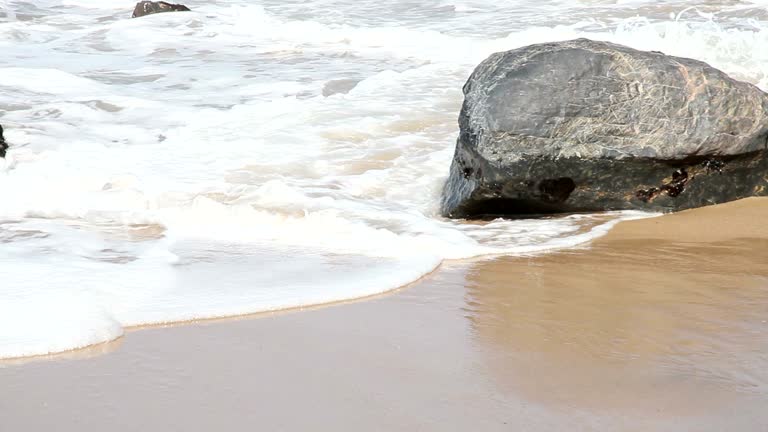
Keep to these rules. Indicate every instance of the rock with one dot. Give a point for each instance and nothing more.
(3, 144)
(151, 7)
(589, 126)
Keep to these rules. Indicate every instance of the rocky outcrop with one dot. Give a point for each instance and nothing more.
(3, 144)
(152, 7)
(588, 126)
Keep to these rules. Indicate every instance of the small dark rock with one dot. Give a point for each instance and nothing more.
(151, 7)
(677, 185)
(3, 144)
(713, 165)
(584, 125)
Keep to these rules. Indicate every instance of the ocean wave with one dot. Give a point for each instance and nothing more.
(189, 165)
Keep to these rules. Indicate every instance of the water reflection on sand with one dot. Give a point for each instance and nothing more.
(646, 325)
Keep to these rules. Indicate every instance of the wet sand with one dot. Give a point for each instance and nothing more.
(660, 325)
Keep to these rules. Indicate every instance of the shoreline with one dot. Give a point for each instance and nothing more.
(667, 223)
(97, 347)
(651, 327)
(603, 228)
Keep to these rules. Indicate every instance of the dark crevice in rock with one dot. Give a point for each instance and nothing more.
(510, 208)
(557, 190)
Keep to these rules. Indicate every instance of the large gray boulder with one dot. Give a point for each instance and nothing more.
(152, 7)
(583, 125)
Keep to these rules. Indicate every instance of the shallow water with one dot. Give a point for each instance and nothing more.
(249, 156)
(627, 335)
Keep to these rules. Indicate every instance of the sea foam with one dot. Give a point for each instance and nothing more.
(187, 166)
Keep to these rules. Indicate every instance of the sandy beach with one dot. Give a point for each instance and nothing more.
(659, 325)
(383, 216)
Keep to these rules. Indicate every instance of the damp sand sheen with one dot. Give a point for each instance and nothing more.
(654, 326)
(248, 158)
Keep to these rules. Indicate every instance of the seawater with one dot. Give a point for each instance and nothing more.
(251, 156)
